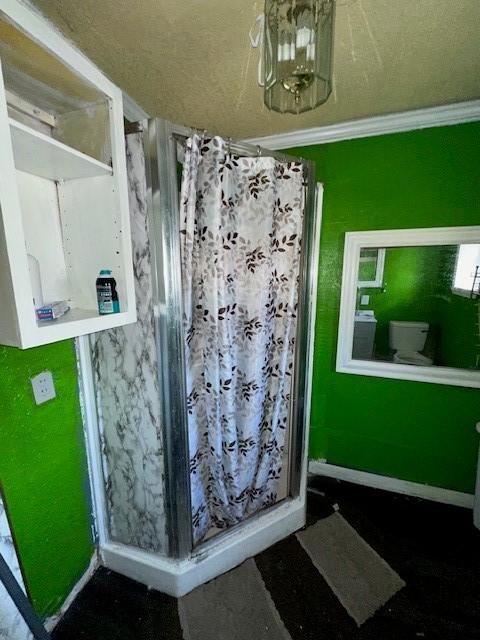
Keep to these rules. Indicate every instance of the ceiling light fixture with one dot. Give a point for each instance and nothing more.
(298, 54)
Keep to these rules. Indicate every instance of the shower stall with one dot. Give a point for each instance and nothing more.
(196, 416)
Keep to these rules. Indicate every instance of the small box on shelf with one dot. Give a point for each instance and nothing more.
(52, 311)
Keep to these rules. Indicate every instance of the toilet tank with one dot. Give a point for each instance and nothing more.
(407, 336)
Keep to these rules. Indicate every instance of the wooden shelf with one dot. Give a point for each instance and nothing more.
(40, 155)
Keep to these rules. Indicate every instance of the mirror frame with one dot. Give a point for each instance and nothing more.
(354, 241)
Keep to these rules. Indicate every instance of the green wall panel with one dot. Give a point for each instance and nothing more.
(411, 430)
(43, 472)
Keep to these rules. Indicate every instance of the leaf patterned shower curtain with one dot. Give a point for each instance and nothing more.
(241, 225)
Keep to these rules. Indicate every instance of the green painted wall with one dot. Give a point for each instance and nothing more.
(43, 472)
(415, 431)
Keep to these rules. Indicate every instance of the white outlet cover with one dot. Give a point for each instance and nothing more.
(43, 387)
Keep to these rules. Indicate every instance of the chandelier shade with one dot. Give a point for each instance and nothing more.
(298, 45)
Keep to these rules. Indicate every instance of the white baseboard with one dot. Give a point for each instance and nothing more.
(51, 622)
(178, 577)
(415, 489)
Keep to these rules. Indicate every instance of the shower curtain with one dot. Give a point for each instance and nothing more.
(241, 224)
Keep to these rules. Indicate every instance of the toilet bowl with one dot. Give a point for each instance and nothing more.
(415, 358)
(407, 339)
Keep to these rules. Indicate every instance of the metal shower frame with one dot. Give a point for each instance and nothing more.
(160, 143)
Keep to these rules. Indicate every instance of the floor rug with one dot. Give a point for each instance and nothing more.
(234, 606)
(358, 576)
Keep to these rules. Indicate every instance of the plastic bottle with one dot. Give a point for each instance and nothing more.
(36, 281)
(107, 296)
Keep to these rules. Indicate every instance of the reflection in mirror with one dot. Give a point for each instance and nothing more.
(419, 305)
(370, 268)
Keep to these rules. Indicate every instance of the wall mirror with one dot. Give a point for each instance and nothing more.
(410, 305)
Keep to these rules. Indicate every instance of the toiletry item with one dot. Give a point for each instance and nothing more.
(53, 310)
(35, 280)
(107, 295)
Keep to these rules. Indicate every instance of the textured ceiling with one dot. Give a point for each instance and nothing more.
(191, 61)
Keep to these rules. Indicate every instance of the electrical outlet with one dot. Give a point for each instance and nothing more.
(43, 387)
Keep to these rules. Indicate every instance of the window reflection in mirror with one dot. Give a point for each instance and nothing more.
(419, 305)
(370, 268)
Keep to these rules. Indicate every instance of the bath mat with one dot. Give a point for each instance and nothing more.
(358, 576)
(234, 606)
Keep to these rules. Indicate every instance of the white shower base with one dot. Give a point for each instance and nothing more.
(222, 553)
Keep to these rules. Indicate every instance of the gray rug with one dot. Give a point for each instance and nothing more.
(234, 606)
(358, 576)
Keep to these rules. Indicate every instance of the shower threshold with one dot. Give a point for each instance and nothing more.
(213, 557)
(282, 495)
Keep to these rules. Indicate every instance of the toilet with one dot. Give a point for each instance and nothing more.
(408, 339)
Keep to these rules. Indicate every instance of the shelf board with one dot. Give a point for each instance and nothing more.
(80, 315)
(73, 315)
(36, 153)
(76, 322)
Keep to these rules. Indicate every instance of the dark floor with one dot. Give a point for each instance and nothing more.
(433, 547)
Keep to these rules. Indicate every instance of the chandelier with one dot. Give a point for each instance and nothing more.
(298, 54)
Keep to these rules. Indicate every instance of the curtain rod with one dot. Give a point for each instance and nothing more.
(241, 148)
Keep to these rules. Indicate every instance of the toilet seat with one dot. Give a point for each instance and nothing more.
(412, 357)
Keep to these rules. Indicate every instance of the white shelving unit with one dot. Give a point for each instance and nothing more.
(43, 156)
(63, 186)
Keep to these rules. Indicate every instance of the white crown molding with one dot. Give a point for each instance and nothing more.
(457, 113)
